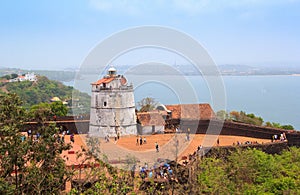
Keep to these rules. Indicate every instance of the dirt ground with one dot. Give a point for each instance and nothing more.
(195, 140)
(130, 143)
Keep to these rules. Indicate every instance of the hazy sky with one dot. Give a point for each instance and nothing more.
(59, 34)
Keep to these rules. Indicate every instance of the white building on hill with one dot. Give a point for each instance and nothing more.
(27, 77)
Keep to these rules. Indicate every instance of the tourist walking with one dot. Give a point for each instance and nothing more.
(156, 147)
(72, 138)
(141, 140)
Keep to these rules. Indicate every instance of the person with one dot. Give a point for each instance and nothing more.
(218, 142)
(72, 138)
(137, 141)
(23, 138)
(38, 135)
(145, 141)
(150, 174)
(29, 132)
(106, 138)
(63, 138)
(156, 147)
(177, 143)
(199, 148)
(141, 140)
(284, 136)
(170, 171)
(118, 135)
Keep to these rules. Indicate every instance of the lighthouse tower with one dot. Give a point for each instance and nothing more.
(112, 106)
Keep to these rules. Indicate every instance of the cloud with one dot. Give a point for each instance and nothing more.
(131, 7)
(190, 7)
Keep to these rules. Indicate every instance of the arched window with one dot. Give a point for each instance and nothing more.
(104, 103)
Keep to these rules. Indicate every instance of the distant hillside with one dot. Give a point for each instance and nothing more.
(43, 90)
(63, 76)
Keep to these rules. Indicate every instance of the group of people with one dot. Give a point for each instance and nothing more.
(281, 137)
(140, 141)
(162, 172)
(116, 138)
(60, 138)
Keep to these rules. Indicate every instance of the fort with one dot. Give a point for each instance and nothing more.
(79, 125)
(113, 114)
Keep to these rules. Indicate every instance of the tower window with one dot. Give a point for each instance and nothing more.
(104, 103)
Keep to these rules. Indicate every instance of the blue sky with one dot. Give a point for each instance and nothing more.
(57, 34)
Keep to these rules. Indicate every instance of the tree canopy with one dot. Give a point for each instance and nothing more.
(249, 119)
(28, 164)
(147, 104)
(43, 90)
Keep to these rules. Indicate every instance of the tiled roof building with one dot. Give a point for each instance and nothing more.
(191, 111)
(151, 122)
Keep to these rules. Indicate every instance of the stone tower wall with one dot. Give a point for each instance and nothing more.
(112, 109)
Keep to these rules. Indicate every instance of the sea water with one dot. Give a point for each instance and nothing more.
(274, 98)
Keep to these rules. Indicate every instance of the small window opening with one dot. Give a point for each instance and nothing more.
(104, 103)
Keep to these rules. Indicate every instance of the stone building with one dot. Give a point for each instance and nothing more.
(112, 106)
(151, 122)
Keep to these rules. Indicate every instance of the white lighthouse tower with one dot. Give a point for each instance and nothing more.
(112, 106)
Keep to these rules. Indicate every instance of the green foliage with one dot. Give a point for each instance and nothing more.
(59, 109)
(48, 109)
(287, 127)
(7, 77)
(14, 75)
(212, 177)
(251, 171)
(44, 89)
(249, 119)
(278, 125)
(36, 163)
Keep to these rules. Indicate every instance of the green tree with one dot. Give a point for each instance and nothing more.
(14, 75)
(46, 173)
(59, 109)
(12, 150)
(40, 112)
(44, 89)
(32, 165)
(287, 127)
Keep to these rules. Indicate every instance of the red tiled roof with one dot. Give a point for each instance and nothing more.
(191, 111)
(104, 80)
(151, 118)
